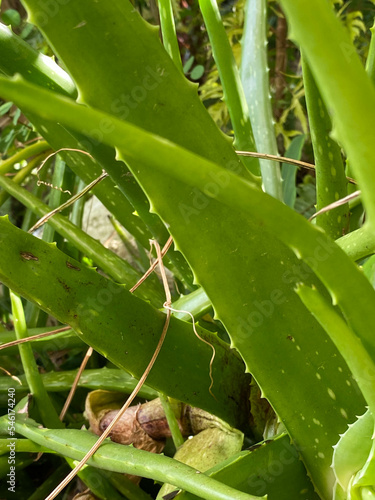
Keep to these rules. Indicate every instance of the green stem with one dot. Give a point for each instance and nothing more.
(168, 31)
(331, 183)
(178, 440)
(349, 345)
(47, 411)
(256, 85)
(233, 92)
(32, 150)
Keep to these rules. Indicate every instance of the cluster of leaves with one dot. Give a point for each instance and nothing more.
(265, 290)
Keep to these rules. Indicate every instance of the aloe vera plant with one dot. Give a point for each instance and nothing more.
(277, 288)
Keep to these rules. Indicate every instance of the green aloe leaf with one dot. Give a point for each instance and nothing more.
(255, 81)
(19, 57)
(331, 183)
(234, 95)
(122, 327)
(22, 59)
(351, 347)
(112, 264)
(122, 203)
(253, 316)
(347, 90)
(126, 459)
(109, 379)
(356, 444)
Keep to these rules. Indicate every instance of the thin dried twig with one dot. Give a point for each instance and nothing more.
(283, 159)
(153, 265)
(71, 200)
(48, 184)
(90, 350)
(72, 391)
(14, 377)
(130, 399)
(59, 151)
(336, 204)
(30, 141)
(35, 337)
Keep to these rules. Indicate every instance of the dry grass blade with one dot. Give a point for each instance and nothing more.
(72, 200)
(72, 391)
(283, 159)
(35, 337)
(90, 350)
(336, 204)
(30, 141)
(130, 399)
(10, 375)
(45, 161)
(153, 265)
(57, 152)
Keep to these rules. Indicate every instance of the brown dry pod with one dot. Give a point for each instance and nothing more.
(128, 430)
(144, 426)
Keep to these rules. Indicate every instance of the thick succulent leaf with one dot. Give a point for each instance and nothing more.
(122, 327)
(54, 342)
(109, 379)
(331, 183)
(18, 57)
(121, 202)
(353, 449)
(116, 267)
(265, 320)
(144, 87)
(272, 468)
(347, 90)
(364, 480)
(256, 85)
(234, 95)
(115, 457)
(349, 344)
